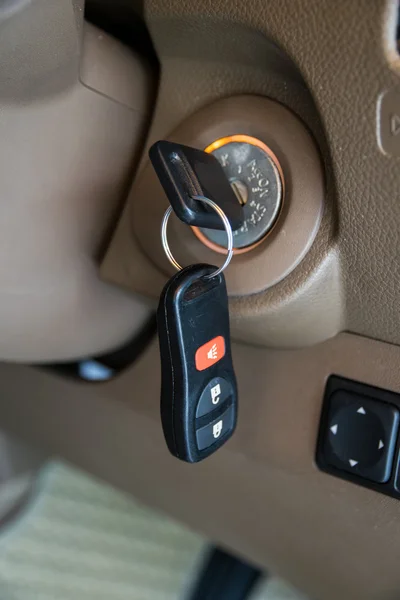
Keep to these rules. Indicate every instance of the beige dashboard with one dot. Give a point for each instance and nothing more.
(82, 266)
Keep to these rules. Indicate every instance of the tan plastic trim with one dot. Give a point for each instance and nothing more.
(261, 495)
(67, 154)
(291, 239)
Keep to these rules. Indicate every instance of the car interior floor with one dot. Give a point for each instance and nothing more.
(77, 537)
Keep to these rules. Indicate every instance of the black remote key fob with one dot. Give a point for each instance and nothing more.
(198, 389)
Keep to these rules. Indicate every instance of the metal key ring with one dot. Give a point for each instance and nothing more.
(228, 230)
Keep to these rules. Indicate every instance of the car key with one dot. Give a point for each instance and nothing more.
(187, 173)
(198, 391)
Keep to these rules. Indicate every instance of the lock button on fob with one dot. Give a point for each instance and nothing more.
(216, 430)
(216, 392)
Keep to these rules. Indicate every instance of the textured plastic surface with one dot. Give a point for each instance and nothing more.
(192, 315)
(185, 172)
(343, 58)
(346, 55)
(269, 303)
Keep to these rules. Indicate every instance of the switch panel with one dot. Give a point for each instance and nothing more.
(358, 437)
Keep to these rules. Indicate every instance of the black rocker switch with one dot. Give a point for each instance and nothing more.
(358, 435)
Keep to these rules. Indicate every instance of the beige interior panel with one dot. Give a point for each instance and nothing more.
(239, 61)
(303, 203)
(342, 58)
(256, 316)
(73, 142)
(261, 494)
(68, 153)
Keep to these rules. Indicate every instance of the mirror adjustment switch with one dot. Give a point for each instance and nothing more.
(216, 430)
(358, 435)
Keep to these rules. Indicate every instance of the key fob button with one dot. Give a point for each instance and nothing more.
(210, 353)
(214, 394)
(214, 431)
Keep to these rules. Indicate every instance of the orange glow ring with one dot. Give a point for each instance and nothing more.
(248, 139)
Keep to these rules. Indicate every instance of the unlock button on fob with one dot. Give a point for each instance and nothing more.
(214, 394)
(209, 434)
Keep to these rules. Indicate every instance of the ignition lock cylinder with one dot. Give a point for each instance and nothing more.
(256, 178)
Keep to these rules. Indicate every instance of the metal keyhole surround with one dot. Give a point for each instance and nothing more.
(257, 179)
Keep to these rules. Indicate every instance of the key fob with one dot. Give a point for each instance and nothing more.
(185, 172)
(198, 388)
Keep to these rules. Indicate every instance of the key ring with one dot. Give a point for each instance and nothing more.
(228, 230)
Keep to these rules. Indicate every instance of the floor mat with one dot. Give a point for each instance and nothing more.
(82, 540)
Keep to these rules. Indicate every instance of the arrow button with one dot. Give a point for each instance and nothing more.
(388, 118)
(358, 434)
(395, 124)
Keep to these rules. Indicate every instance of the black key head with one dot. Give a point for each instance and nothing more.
(185, 172)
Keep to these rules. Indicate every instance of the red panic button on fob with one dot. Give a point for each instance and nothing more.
(210, 353)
